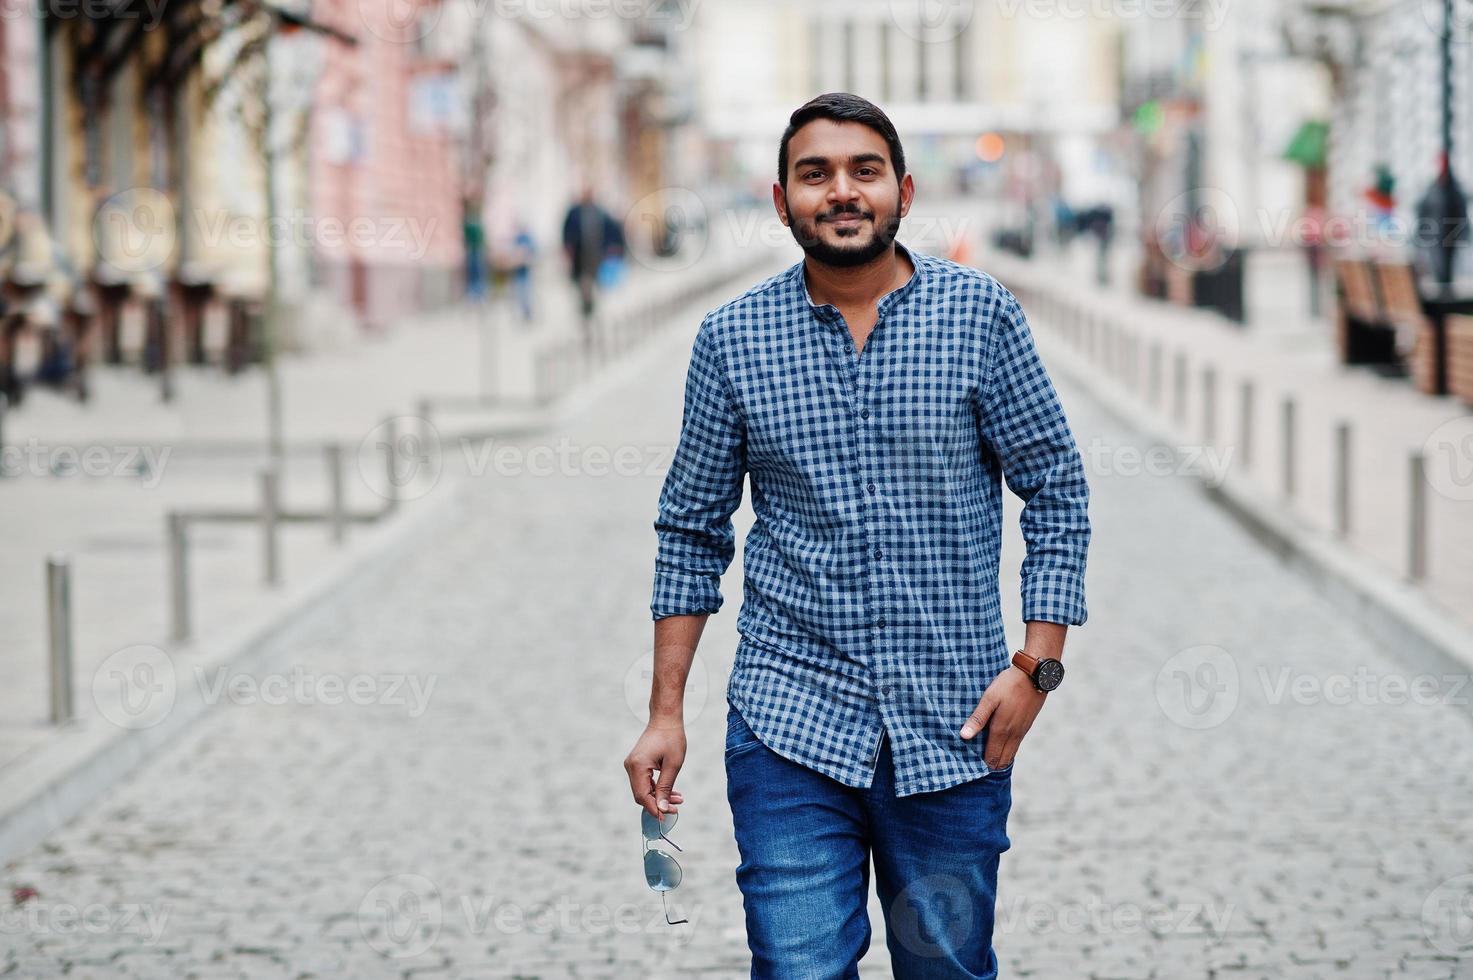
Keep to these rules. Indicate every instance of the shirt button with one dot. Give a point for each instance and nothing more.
(878, 553)
(885, 692)
(880, 623)
(864, 413)
(870, 487)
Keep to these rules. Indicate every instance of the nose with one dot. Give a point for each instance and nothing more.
(842, 190)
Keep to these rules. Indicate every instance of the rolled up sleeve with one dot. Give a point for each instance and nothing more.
(1023, 423)
(702, 490)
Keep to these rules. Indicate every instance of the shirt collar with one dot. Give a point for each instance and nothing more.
(828, 311)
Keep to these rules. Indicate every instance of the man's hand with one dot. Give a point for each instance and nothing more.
(660, 749)
(1010, 703)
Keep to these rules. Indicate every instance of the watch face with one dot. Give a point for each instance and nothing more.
(1050, 674)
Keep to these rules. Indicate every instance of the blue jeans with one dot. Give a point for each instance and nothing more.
(806, 842)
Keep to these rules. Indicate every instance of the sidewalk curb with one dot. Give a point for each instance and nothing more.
(44, 789)
(1397, 613)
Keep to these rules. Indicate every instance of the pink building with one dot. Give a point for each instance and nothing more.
(20, 96)
(384, 169)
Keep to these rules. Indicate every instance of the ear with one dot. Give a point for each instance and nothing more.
(780, 202)
(907, 194)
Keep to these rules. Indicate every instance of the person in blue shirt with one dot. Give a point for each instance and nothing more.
(876, 398)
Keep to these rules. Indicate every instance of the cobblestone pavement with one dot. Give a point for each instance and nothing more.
(1217, 791)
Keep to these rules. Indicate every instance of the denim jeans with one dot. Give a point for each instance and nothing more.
(806, 842)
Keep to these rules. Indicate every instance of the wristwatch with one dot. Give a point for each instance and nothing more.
(1045, 673)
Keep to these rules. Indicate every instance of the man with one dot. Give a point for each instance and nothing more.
(876, 396)
(590, 235)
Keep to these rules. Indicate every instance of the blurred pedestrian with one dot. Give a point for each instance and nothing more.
(473, 235)
(522, 263)
(590, 236)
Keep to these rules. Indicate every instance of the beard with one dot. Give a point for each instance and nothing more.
(806, 234)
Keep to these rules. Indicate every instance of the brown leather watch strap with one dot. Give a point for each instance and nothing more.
(1025, 663)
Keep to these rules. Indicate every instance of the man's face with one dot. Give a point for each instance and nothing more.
(843, 203)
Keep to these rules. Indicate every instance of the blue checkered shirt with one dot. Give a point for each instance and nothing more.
(870, 574)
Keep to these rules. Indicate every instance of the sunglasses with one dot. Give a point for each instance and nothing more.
(661, 871)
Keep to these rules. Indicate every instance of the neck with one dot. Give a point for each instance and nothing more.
(860, 285)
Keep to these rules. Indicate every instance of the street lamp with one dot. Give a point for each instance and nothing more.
(1444, 206)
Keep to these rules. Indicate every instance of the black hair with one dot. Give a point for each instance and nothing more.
(841, 107)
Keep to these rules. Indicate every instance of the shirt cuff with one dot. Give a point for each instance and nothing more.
(680, 593)
(1055, 596)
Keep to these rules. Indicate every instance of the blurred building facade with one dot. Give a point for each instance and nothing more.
(1213, 104)
(320, 160)
(946, 74)
(1385, 65)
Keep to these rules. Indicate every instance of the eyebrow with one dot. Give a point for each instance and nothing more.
(815, 161)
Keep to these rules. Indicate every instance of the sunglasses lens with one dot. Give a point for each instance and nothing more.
(653, 829)
(660, 871)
